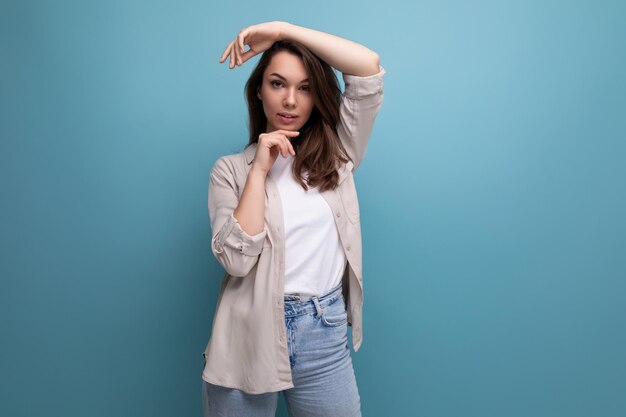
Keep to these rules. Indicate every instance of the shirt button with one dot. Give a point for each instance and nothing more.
(338, 214)
(348, 248)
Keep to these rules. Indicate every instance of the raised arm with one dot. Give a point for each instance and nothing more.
(346, 56)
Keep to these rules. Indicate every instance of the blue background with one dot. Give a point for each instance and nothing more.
(492, 202)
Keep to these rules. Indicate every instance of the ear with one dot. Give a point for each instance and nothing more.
(258, 94)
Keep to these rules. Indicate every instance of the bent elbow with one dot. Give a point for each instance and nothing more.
(234, 263)
(240, 269)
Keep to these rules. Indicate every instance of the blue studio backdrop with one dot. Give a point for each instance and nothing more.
(492, 202)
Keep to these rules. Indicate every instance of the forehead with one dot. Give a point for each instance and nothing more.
(288, 65)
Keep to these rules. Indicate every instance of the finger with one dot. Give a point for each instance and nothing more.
(293, 151)
(266, 140)
(280, 143)
(232, 56)
(275, 144)
(290, 149)
(235, 52)
(247, 55)
(272, 141)
(288, 143)
(224, 54)
(287, 146)
(240, 48)
(242, 37)
(290, 132)
(237, 47)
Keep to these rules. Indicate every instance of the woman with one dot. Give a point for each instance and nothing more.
(287, 230)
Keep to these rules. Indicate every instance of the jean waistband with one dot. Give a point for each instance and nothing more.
(296, 305)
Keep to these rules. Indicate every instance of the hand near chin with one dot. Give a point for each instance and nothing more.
(258, 37)
(270, 145)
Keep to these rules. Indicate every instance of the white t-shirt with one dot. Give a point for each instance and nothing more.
(314, 257)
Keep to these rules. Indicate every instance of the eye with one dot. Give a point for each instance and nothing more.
(276, 83)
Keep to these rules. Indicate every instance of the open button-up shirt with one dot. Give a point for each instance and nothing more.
(248, 348)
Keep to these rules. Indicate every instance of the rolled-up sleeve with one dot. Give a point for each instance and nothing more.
(234, 249)
(360, 103)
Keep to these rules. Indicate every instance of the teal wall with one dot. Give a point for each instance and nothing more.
(492, 199)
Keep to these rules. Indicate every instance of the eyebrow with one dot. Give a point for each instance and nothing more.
(283, 78)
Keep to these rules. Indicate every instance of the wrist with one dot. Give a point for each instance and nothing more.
(257, 172)
(285, 27)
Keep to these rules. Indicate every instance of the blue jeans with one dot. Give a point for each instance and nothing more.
(321, 367)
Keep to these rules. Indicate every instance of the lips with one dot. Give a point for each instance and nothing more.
(290, 115)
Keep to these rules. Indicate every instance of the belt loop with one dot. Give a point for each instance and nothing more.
(318, 307)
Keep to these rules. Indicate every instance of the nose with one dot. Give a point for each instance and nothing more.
(290, 98)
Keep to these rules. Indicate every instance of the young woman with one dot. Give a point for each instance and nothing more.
(287, 229)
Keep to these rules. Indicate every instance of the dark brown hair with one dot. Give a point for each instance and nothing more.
(318, 148)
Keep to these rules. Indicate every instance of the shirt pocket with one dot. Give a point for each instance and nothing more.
(350, 200)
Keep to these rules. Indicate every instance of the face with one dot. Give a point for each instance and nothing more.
(285, 89)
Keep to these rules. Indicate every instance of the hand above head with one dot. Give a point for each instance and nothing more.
(259, 37)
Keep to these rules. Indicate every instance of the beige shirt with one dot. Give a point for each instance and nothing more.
(248, 348)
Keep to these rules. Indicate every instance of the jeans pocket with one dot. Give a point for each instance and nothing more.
(335, 315)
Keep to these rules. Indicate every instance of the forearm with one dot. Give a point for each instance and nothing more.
(346, 56)
(250, 213)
